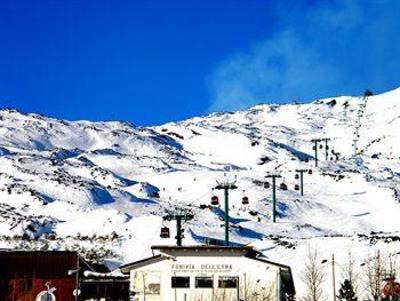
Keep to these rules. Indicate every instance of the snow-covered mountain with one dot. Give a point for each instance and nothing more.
(103, 187)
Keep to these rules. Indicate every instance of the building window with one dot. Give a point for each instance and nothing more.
(228, 282)
(153, 288)
(152, 281)
(180, 282)
(203, 282)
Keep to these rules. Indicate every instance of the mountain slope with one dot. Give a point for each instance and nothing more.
(103, 187)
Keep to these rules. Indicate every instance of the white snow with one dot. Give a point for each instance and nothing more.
(103, 187)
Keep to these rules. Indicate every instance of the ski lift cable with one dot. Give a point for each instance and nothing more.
(198, 198)
(190, 204)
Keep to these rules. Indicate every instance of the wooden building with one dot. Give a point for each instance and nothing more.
(54, 276)
(104, 286)
(27, 275)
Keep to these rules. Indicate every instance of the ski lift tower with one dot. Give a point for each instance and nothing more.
(300, 175)
(273, 175)
(326, 140)
(180, 215)
(315, 148)
(226, 186)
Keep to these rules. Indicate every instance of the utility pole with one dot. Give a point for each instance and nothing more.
(315, 147)
(273, 176)
(180, 218)
(333, 277)
(326, 147)
(301, 173)
(226, 186)
(378, 270)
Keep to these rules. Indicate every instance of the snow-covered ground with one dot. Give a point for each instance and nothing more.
(103, 187)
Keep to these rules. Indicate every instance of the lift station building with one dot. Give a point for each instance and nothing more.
(208, 273)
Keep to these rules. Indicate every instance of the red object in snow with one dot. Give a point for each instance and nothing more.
(214, 200)
(390, 288)
(164, 233)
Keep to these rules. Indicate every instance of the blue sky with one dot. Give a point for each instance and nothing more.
(155, 61)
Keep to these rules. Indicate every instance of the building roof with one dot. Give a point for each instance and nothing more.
(247, 251)
(202, 247)
(125, 268)
(29, 252)
(7, 253)
(257, 256)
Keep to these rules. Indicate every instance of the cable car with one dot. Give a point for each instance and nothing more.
(297, 176)
(310, 171)
(283, 186)
(331, 158)
(320, 146)
(164, 232)
(266, 185)
(296, 187)
(214, 200)
(245, 200)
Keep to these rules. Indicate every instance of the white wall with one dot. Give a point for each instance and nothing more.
(253, 276)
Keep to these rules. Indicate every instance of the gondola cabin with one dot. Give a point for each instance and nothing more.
(283, 186)
(164, 233)
(214, 200)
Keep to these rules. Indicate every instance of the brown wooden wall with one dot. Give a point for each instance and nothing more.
(109, 290)
(24, 274)
(16, 291)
